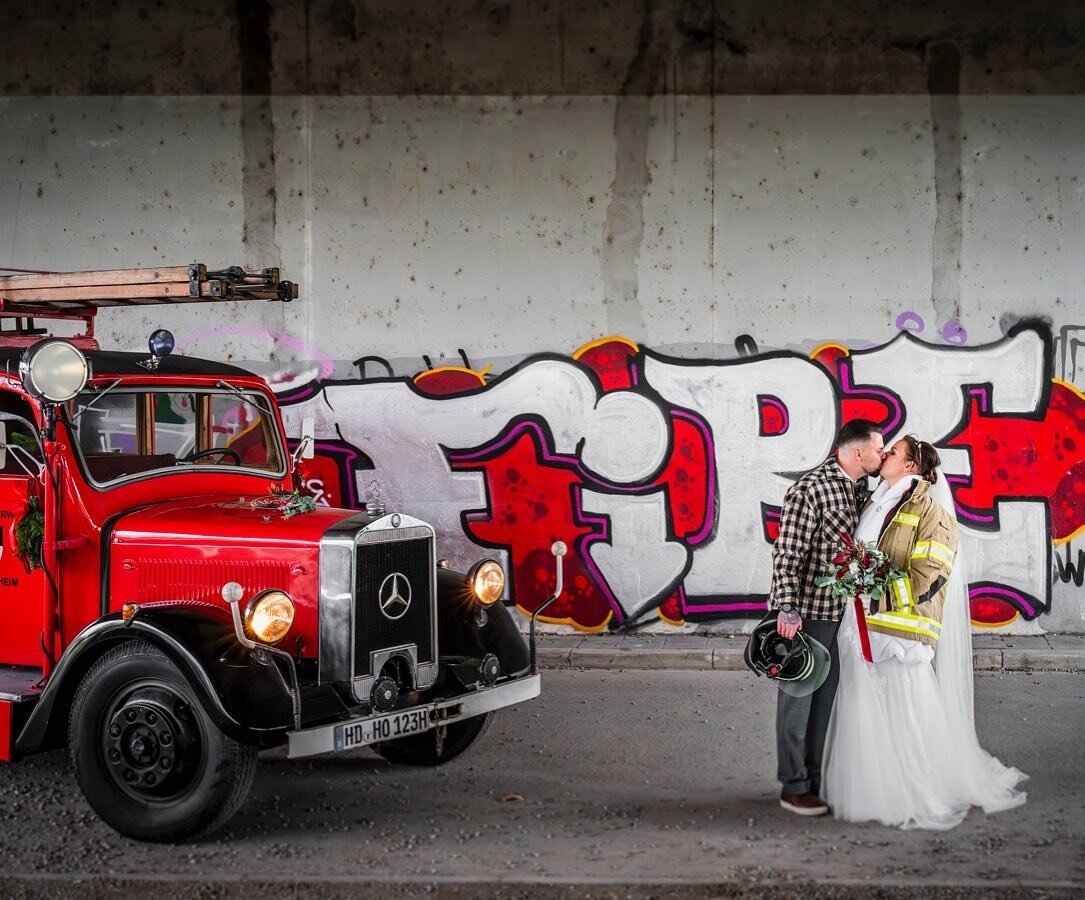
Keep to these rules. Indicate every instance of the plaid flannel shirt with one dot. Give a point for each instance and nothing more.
(816, 509)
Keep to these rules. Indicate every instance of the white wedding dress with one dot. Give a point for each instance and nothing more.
(902, 746)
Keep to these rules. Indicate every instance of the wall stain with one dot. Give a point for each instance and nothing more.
(258, 188)
(625, 212)
(943, 82)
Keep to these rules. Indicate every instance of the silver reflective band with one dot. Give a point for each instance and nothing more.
(443, 712)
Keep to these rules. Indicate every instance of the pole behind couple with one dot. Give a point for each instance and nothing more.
(891, 739)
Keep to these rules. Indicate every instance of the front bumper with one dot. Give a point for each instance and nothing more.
(365, 729)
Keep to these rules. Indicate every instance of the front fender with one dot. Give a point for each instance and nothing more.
(459, 634)
(241, 696)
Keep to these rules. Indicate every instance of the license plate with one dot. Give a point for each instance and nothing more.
(386, 728)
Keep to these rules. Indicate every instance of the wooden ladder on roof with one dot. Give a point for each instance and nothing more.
(79, 295)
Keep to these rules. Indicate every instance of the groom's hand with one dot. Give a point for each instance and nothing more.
(788, 623)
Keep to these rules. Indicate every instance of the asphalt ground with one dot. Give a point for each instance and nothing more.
(612, 784)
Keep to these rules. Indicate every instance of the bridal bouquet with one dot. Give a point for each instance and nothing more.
(858, 569)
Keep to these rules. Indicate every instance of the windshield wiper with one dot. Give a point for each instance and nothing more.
(95, 400)
(237, 392)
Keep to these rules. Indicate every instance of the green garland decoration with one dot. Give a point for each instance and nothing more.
(296, 503)
(29, 533)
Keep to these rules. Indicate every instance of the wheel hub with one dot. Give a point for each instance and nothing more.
(148, 746)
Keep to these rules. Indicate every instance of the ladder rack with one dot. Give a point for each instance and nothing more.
(79, 295)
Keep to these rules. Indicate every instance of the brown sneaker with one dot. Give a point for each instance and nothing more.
(804, 804)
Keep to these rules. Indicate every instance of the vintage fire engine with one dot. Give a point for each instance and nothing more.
(170, 603)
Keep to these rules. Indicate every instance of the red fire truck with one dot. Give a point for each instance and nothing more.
(172, 603)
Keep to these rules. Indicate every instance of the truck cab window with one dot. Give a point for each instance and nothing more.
(21, 438)
(127, 433)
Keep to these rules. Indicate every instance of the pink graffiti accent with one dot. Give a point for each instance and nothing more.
(726, 608)
(774, 418)
(991, 608)
(867, 402)
(954, 333)
(305, 351)
(871, 402)
(911, 321)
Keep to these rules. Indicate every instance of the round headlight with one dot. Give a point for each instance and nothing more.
(269, 616)
(487, 580)
(53, 370)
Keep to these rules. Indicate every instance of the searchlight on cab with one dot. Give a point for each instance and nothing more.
(53, 370)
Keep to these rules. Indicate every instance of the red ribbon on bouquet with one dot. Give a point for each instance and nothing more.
(864, 635)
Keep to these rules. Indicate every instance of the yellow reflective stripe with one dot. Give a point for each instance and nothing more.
(903, 518)
(934, 550)
(942, 552)
(902, 590)
(913, 624)
(911, 617)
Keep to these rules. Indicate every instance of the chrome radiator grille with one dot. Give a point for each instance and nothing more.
(393, 606)
(365, 564)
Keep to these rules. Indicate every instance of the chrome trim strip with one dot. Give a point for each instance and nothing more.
(381, 536)
(443, 712)
(336, 603)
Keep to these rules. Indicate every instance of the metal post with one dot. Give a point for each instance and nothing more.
(50, 511)
(559, 549)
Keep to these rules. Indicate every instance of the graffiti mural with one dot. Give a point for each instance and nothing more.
(665, 475)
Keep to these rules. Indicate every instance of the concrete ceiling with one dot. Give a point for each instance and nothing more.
(456, 47)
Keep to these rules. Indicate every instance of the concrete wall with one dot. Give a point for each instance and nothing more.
(776, 224)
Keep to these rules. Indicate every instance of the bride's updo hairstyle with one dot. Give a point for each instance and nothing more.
(924, 456)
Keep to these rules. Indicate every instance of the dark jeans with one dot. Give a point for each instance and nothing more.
(802, 722)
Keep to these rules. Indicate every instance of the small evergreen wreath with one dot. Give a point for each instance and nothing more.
(289, 503)
(29, 533)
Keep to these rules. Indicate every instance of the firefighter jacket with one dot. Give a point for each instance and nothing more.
(920, 538)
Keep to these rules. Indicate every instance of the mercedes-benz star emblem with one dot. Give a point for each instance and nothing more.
(394, 596)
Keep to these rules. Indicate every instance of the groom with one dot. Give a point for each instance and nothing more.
(817, 507)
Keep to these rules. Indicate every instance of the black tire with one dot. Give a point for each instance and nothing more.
(147, 756)
(421, 749)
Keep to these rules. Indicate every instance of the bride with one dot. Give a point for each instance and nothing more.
(902, 746)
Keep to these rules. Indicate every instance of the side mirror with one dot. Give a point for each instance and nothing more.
(3, 444)
(308, 438)
(306, 448)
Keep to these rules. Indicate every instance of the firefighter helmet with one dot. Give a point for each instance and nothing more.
(798, 665)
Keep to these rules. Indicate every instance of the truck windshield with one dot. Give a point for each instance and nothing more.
(123, 432)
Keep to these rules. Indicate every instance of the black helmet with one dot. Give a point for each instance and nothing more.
(798, 665)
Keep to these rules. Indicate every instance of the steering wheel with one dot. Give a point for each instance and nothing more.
(213, 451)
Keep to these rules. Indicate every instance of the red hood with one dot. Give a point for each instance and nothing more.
(224, 521)
(186, 550)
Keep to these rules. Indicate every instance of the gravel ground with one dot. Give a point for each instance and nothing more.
(612, 784)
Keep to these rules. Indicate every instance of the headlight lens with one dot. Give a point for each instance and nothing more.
(53, 370)
(487, 580)
(269, 616)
